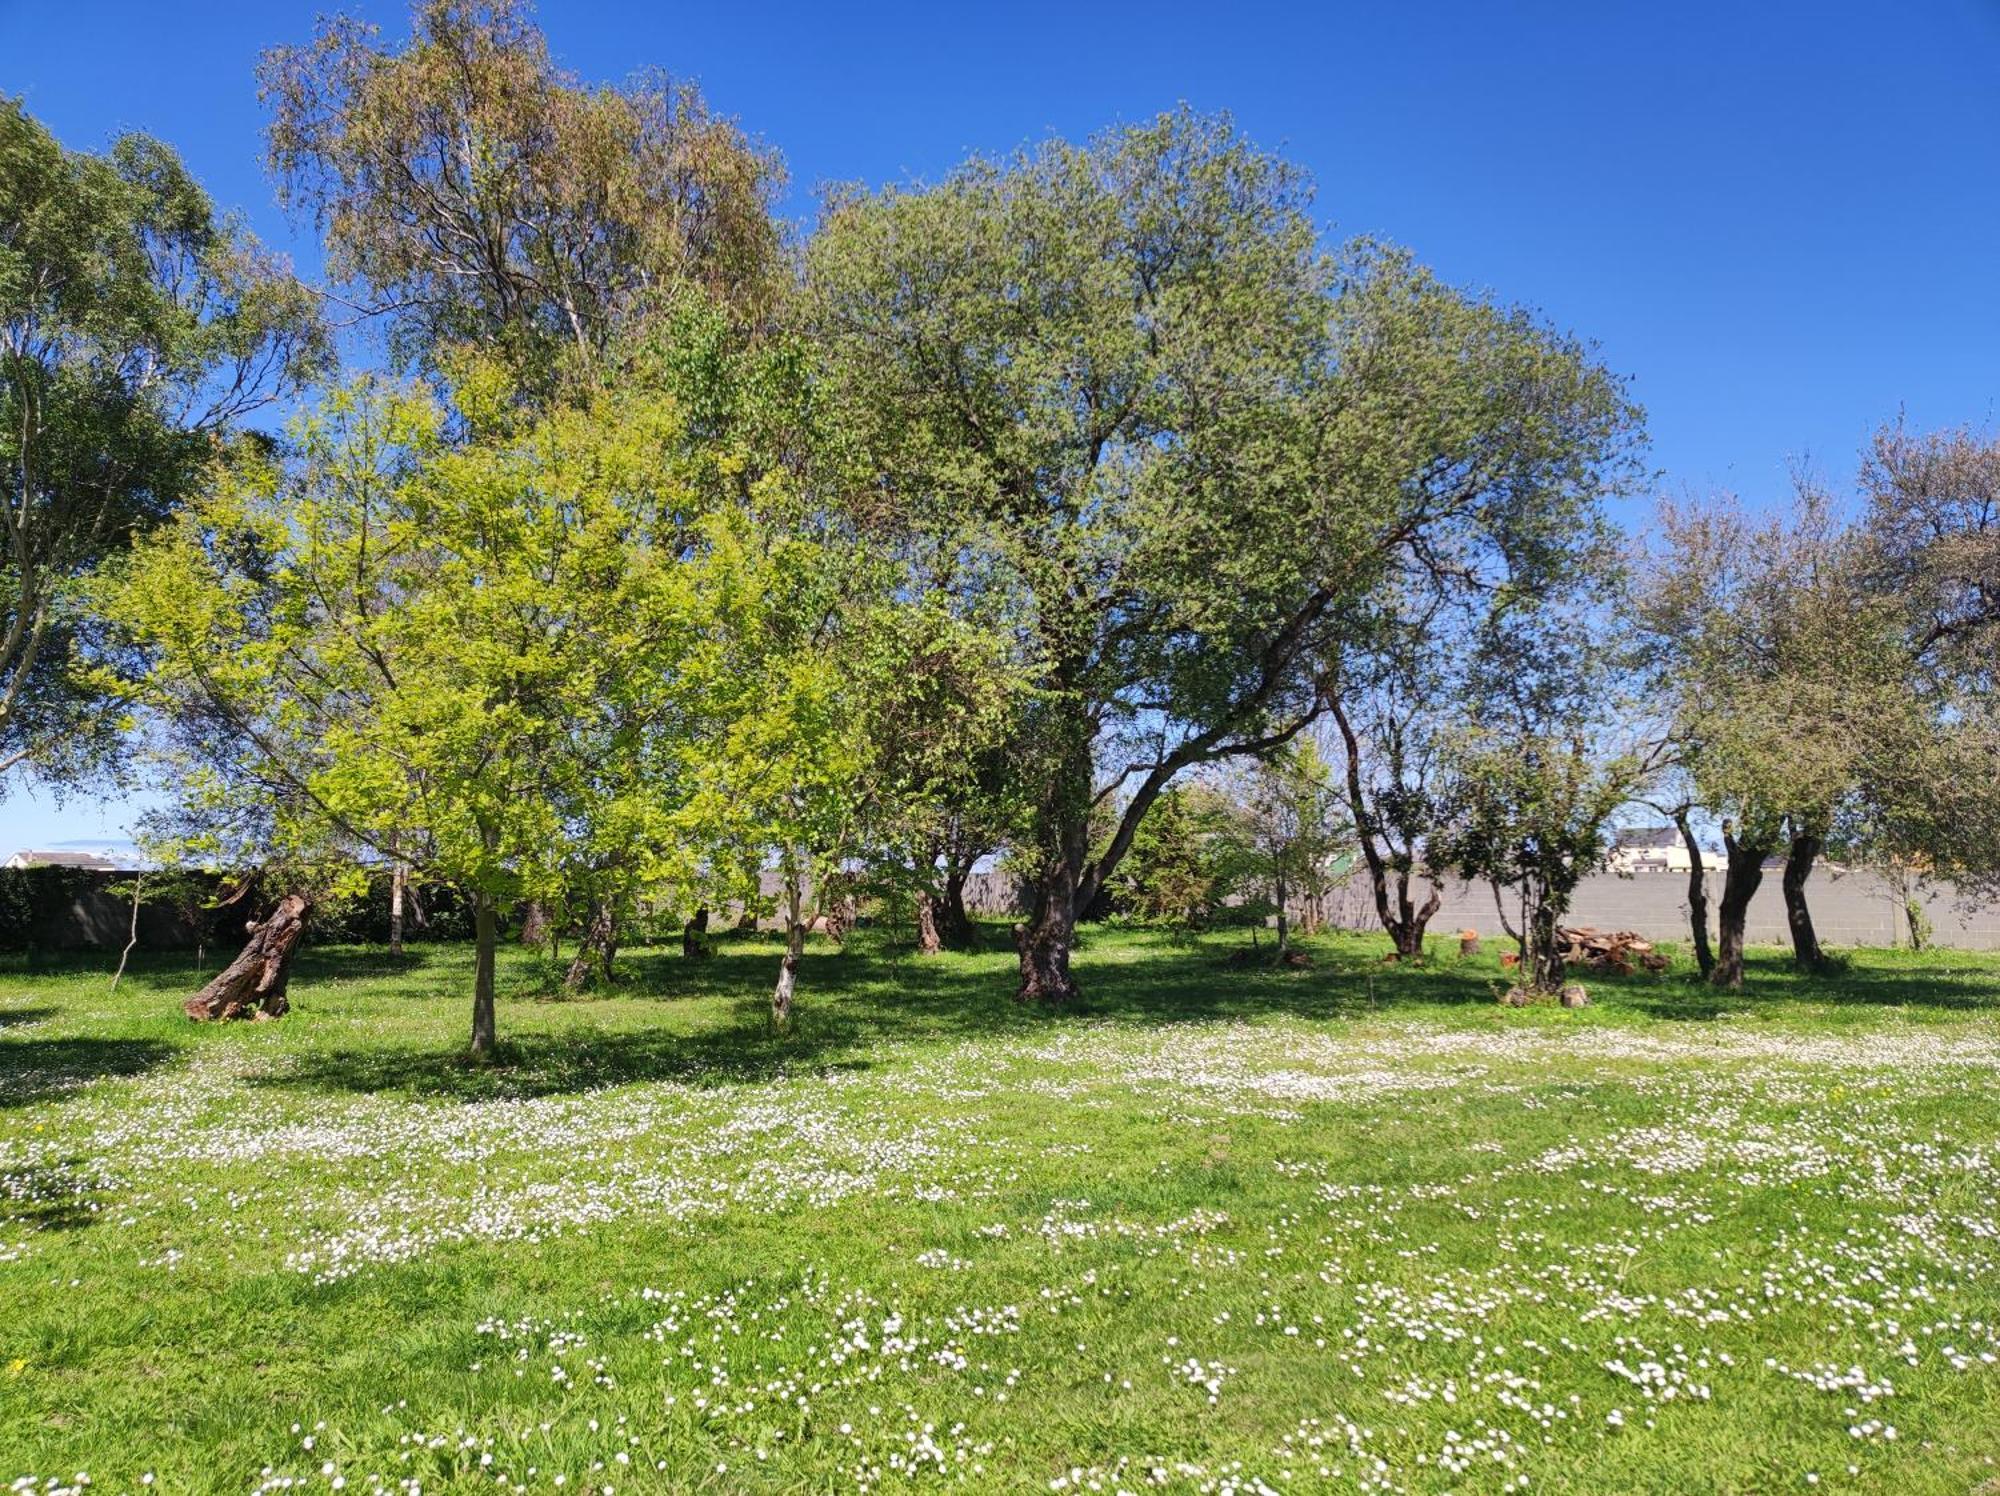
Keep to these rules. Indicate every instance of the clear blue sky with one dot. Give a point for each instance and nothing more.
(1781, 220)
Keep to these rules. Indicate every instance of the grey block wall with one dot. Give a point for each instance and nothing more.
(1851, 906)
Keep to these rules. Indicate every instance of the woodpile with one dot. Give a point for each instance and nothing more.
(1615, 951)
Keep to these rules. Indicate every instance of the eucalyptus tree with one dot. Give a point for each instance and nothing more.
(137, 330)
(476, 192)
(1126, 373)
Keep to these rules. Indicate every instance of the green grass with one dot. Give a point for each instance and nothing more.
(1356, 1227)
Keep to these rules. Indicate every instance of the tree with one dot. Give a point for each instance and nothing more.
(479, 194)
(1788, 679)
(1180, 865)
(1536, 772)
(1289, 820)
(468, 655)
(136, 330)
(1124, 372)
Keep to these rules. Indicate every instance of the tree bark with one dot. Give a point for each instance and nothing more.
(1743, 871)
(694, 936)
(1284, 920)
(1045, 942)
(534, 923)
(485, 927)
(930, 936)
(1704, 956)
(253, 985)
(1799, 859)
(1545, 955)
(795, 947)
(598, 940)
(1062, 891)
(955, 926)
(399, 876)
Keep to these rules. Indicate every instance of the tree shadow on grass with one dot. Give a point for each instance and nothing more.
(17, 1017)
(714, 1015)
(34, 1069)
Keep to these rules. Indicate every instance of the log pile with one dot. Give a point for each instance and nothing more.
(1615, 951)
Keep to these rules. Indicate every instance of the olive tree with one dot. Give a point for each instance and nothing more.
(1126, 373)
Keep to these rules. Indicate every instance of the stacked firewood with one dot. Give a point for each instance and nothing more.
(1616, 951)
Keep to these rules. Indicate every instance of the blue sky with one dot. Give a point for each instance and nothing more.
(1781, 220)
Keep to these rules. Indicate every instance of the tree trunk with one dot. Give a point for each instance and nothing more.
(955, 926)
(1704, 957)
(139, 887)
(1799, 858)
(1544, 955)
(1045, 942)
(1407, 920)
(253, 985)
(485, 927)
(1284, 920)
(534, 923)
(598, 939)
(930, 935)
(1066, 880)
(1743, 871)
(399, 876)
(694, 936)
(795, 947)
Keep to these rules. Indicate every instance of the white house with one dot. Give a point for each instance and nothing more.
(88, 860)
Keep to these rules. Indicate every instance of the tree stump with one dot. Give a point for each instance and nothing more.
(1573, 996)
(253, 985)
(1468, 943)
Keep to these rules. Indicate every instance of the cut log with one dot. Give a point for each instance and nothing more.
(253, 985)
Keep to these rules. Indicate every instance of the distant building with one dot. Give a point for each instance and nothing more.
(90, 861)
(1648, 849)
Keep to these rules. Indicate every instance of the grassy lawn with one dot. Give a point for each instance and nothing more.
(1349, 1228)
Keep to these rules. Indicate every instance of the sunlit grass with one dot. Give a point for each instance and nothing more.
(1352, 1227)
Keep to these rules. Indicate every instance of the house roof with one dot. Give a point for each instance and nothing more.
(1636, 837)
(92, 860)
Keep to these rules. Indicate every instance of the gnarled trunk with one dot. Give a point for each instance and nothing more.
(955, 926)
(795, 947)
(1704, 956)
(253, 985)
(599, 939)
(1799, 859)
(1046, 940)
(534, 923)
(930, 934)
(694, 936)
(1743, 871)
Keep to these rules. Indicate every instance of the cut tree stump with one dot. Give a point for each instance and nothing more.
(253, 985)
